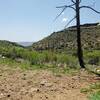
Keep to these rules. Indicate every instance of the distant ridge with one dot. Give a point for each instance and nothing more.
(25, 44)
(87, 25)
(6, 43)
(66, 39)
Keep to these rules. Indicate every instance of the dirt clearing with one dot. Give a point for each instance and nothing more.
(16, 84)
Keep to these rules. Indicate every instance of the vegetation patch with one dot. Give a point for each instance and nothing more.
(95, 96)
(93, 91)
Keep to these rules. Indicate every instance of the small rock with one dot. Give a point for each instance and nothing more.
(54, 89)
(1, 94)
(20, 60)
(98, 70)
(3, 57)
(24, 74)
(45, 83)
(46, 97)
(48, 84)
(23, 78)
(34, 90)
(0, 74)
(8, 95)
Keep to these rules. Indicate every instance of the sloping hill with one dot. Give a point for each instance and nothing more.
(8, 43)
(66, 39)
(7, 46)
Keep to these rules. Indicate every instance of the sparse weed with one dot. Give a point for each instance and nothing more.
(95, 96)
(93, 90)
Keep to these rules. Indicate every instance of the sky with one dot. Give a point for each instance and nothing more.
(32, 20)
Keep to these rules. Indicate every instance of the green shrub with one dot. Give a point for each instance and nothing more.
(95, 96)
(86, 90)
(95, 86)
(92, 57)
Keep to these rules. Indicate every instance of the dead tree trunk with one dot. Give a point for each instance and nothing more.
(79, 49)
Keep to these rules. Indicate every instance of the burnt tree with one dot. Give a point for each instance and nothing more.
(76, 7)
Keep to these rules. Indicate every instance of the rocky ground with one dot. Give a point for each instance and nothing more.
(16, 84)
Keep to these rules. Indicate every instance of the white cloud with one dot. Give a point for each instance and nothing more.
(64, 19)
(63, 13)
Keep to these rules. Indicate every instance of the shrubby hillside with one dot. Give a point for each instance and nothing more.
(66, 39)
(8, 48)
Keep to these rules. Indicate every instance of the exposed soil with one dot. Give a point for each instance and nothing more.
(16, 84)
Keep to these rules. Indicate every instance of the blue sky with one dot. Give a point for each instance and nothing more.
(32, 20)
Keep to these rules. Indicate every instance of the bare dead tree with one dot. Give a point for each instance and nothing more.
(76, 7)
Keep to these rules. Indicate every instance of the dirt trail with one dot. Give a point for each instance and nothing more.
(16, 84)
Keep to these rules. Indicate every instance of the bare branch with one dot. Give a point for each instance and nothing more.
(59, 14)
(61, 6)
(66, 7)
(70, 21)
(73, 1)
(90, 8)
